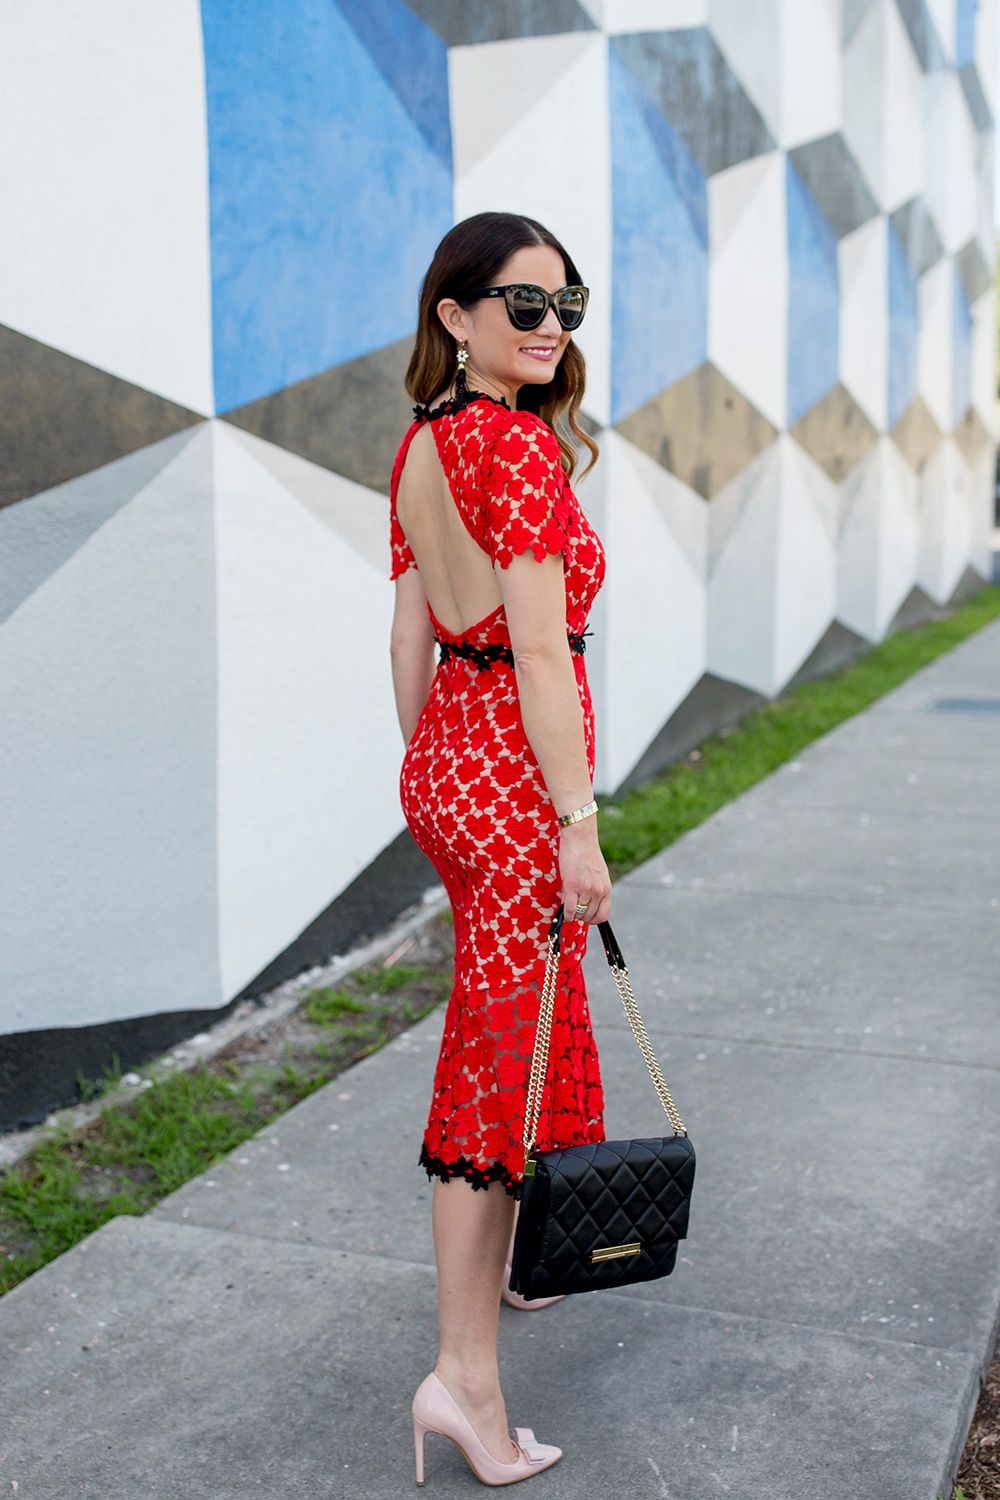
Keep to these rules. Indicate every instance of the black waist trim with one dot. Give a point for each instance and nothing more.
(485, 657)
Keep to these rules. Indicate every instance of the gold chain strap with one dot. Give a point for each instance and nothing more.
(646, 1048)
(540, 1055)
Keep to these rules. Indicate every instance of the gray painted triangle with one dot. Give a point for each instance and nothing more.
(982, 115)
(60, 417)
(461, 25)
(919, 23)
(854, 13)
(974, 271)
(692, 85)
(836, 647)
(833, 177)
(39, 534)
(918, 235)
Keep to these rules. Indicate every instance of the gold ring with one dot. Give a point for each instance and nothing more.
(582, 907)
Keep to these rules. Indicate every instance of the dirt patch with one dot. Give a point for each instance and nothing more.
(336, 1026)
(979, 1471)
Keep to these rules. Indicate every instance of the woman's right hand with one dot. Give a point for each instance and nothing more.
(584, 873)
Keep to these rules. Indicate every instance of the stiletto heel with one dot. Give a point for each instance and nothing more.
(436, 1410)
(419, 1433)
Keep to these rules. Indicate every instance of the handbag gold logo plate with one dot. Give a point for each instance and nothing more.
(614, 1252)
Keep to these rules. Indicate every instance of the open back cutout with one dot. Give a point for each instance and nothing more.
(456, 573)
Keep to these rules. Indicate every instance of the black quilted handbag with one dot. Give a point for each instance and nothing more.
(607, 1214)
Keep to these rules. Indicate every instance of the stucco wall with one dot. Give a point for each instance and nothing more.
(214, 227)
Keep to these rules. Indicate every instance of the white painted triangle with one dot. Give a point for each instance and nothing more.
(683, 510)
(308, 748)
(654, 594)
(856, 248)
(823, 492)
(743, 586)
(727, 505)
(732, 192)
(493, 85)
(864, 318)
(806, 574)
(107, 676)
(877, 547)
(943, 15)
(900, 537)
(105, 236)
(356, 514)
(653, 15)
(573, 199)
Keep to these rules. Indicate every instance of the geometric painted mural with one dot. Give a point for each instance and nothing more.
(784, 213)
(278, 127)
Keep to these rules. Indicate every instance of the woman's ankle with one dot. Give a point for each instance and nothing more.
(475, 1384)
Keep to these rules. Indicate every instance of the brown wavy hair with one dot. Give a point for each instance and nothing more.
(472, 255)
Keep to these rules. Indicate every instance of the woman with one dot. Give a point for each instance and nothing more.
(495, 561)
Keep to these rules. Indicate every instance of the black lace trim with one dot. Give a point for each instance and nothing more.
(446, 1170)
(485, 657)
(457, 403)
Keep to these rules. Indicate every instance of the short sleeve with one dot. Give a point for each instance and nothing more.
(402, 557)
(524, 489)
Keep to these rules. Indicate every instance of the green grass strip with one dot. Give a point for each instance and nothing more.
(645, 821)
(70, 1186)
(137, 1151)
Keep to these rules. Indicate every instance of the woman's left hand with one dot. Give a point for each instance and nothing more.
(584, 873)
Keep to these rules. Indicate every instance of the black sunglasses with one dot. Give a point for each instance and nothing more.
(527, 304)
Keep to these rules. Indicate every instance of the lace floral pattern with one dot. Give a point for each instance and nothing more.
(477, 1114)
(528, 507)
(475, 801)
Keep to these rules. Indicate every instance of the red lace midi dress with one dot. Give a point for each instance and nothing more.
(475, 801)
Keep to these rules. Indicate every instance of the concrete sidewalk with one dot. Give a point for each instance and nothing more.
(817, 966)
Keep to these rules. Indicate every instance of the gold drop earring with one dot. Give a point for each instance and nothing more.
(462, 355)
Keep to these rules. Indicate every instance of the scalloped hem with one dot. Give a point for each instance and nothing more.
(479, 1177)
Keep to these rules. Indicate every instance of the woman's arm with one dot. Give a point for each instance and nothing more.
(412, 650)
(534, 596)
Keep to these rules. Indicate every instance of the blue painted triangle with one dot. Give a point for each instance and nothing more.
(412, 59)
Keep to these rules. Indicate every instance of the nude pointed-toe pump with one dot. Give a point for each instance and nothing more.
(514, 1299)
(436, 1410)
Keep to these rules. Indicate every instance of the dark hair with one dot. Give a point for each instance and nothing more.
(472, 255)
